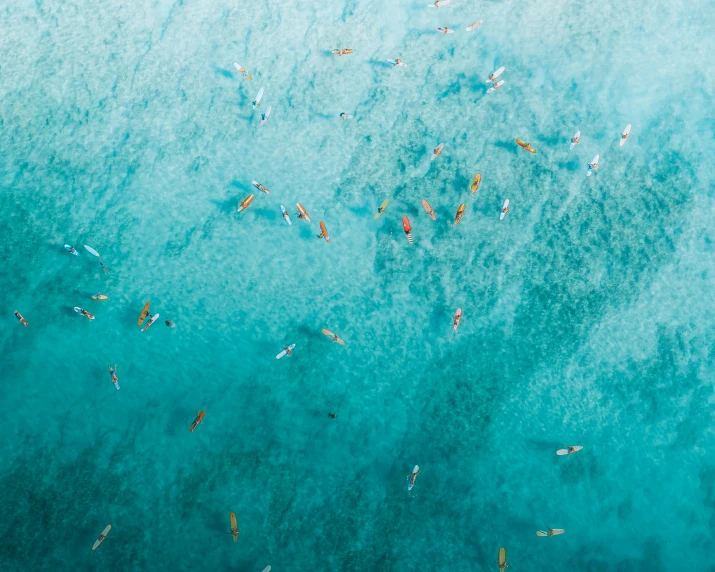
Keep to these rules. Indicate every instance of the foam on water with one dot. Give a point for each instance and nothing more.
(586, 310)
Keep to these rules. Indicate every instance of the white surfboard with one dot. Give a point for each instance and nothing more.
(284, 352)
(257, 101)
(286, 216)
(496, 86)
(91, 250)
(267, 569)
(239, 68)
(625, 134)
(496, 74)
(562, 452)
(68, 248)
(503, 214)
(435, 155)
(409, 477)
(102, 536)
(440, 3)
(154, 318)
(576, 135)
(266, 115)
(594, 161)
(394, 63)
(475, 25)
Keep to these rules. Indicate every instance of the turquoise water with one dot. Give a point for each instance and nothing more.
(587, 310)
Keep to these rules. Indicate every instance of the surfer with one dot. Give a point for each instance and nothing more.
(593, 166)
(113, 373)
(71, 250)
(288, 350)
(445, 30)
(412, 477)
(344, 116)
(333, 415)
(398, 62)
(505, 209)
(20, 318)
(336, 338)
(528, 146)
(496, 86)
(86, 314)
(343, 52)
(242, 71)
(437, 151)
(264, 117)
(170, 324)
(575, 140)
(103, 266)
(322, 234)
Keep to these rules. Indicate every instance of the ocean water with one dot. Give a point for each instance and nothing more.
(587, 310)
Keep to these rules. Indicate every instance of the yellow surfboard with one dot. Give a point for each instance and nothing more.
(475, 182)
(142, 316)
(502, 558)
(381, 208)
(335, 337)
(234, 527)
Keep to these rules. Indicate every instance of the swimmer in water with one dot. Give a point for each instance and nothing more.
(170, 324)
(113, 373)
(333, 415)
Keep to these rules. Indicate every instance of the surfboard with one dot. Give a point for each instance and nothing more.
(257, 101)
(381, 208)
(394, 63)
(408, 229)
(89, 315)
(286, 216)
(576, 135)
(506, 206)
(429, 210)
(410, 484)
(501, 559)
(100, 297)
(439, 3)
(142, 316)
(541, 533)
(435, 155)
(102, 536)
(475, 183)
(475, 25)
(245, 202)
(199, 419)
(460, 213)
(68, 248)
(324, 232)
(594, 161)
(562, 452)
(331, 335)
(556, 531)
(495, 75)
(285, 352)
(345, 52)
(153, 319)
(302, 213)
(266, 115)
(234, 527)
(525, 146)
(91, 250)
(457, 319)
(260, 187)
(625, 134)
(496, 86)
(20, 318)
(266, 569)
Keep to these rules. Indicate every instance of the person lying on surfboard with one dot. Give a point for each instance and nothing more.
(72, 250)
(575, 140)
(412, 477)
(437, 151)
(593, 166)
(398, 62)
(505, 210)
(113, 373)
(288, 350)
(344, 116)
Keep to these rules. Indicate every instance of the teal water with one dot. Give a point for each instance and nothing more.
(587, 311)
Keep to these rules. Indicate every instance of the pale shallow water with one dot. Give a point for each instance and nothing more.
(587, 311)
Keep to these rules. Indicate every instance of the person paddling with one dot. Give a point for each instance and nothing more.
(113, 373)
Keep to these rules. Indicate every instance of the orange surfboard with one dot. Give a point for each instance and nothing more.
(245, 202)
(199, 419)
(142, 316)
(324, 232)
(302, 213)
(460, 214)
(475, 182)
(526, 146)
(429, 210)
(234, 527)
(335, 337)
